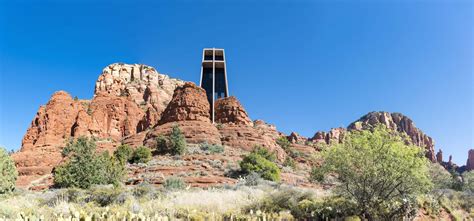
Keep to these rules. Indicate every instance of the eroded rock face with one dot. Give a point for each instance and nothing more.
(295, 138)
(470, 160)
(141, 84)
(439, 156)
(335, 135)
(400, 123)
(189, 103)
(190, 111)
(128, 99)
(248, 137)
(229, 110)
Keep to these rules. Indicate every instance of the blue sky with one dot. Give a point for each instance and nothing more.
(301, 65)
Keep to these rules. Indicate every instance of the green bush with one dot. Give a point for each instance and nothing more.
(85, 167)
(174, 183)
(175, 143)
(8, 172)
(178, 142)
(260, 161)
(378, 171)
(440, 177)
(123, 153)
(265, 153)
(468, 184)
(289, 162)
(104, 196)
(141, 155)
(211, 148)
(283, 143)
(162, 144)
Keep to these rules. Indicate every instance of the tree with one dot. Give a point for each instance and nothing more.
(175, 143)
(468, 178)
(8, 172)
(440, 177)
(123, 153)
(378, 171)
(141, 155)
(85, 167)
(260, 161)
(177, 140)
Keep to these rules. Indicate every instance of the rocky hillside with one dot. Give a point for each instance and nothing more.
(133, 104)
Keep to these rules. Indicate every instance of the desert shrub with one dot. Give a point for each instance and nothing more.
(162, 144)
(284, 199)
(430, 204)
(8, 172)
(175, 143)
(380, 161)
(260, 161)
(289, 162)
(331, 207)
(123, 153)
(178, 142)
(211, 148)
(145, 190)
(85, 167)
(441, 178)
(264, 152)
(468, 181)
(174, 183)
(141, 155)
(104, 196)
(283, 143)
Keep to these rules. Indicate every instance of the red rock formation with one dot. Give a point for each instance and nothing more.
(229, 110)
(470, 160)
(439, 156)
(128, 99)
(189, 103)
(334, 135)
(190, 110)
(295, 138)
(400, 123)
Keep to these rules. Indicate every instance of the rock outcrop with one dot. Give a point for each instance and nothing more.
(128, 99)
(335, 135)
(295, 138)
(470, 160)
(400, 123)
(190, 110)
(439, 156)
(229, 110)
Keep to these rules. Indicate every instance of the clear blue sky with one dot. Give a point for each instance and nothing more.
(301, 65)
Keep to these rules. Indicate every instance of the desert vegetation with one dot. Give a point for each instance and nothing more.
(372, 175)
(8, 172)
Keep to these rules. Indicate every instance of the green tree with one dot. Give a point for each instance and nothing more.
(468, 181)
(162, 144)
(174, 143)
(8, 172)
(85, 167)
(265, 153)
(440, 177)
(141, 155)
(177, 141)
(123, 153)
(378, 171)
(260, 161)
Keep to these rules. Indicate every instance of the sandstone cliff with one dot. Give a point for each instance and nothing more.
(133, 104)
(400, 123)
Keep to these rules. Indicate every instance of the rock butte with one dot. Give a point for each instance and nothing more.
(133, 104)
